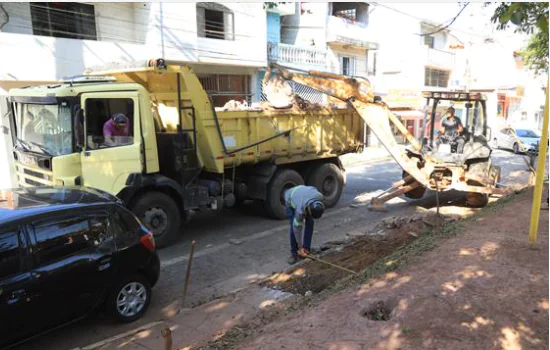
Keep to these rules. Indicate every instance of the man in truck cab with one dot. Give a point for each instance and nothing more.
(303, 204)
(116, 130)
(451, 130)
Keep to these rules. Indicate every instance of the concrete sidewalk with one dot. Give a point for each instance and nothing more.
(198, 325)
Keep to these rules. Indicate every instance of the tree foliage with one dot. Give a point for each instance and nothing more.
(530, 18)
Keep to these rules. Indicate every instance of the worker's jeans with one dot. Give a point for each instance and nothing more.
(308, 232)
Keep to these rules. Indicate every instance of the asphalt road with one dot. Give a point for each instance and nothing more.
(240, 246)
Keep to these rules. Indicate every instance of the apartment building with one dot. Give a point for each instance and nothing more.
(46, 42)
(226, 43)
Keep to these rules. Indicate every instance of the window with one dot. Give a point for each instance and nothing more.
(351, 11)
(109, 122)
(125, 226)
(223, 88)
(429, 41)
(71, 20)
(215, 21)
(62, 238)
(348, 66)
(10, 252)
(436, 77)
(371, 62)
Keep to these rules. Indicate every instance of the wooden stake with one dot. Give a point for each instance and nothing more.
(188, 273)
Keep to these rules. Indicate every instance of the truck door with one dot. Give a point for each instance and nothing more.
(111, 151)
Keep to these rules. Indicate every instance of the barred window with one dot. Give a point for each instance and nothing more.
(64, 20)
(436, 77)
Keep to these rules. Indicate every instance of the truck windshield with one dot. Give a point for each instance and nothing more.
(44, 128)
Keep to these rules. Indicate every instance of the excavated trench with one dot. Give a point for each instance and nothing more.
(313, 276)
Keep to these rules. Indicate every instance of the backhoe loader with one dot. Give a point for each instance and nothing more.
(424, 166)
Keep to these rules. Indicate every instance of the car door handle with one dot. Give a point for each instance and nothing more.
(16, 296)
(104, 263)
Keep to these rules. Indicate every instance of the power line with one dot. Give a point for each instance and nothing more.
(93, 18)
(171, 47)
(448, 25)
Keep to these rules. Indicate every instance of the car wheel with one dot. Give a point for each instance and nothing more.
(129, 299)
(516, 148)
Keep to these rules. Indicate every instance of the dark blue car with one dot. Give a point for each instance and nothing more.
(65, 252)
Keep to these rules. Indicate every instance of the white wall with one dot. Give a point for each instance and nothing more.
(129, 32)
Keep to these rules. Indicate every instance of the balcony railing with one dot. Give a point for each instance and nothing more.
(298, 56)
(439, 58)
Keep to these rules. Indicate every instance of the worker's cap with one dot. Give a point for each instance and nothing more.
(120, 119)
(316, 209)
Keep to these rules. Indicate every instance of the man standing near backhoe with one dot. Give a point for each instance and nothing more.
(303, 204)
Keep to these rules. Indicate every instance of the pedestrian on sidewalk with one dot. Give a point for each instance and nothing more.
(303, 204)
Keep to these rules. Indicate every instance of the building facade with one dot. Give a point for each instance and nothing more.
(47, 42)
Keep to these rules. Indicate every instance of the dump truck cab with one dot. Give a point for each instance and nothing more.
(59, 136)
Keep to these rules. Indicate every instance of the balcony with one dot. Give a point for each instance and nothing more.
(297, 56)
(346, 32)
(440, 59)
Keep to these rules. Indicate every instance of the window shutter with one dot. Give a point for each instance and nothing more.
(200, 22)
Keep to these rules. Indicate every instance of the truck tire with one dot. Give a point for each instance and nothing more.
(416, 193)
(283, 180)
(329, 180)
(161, 215)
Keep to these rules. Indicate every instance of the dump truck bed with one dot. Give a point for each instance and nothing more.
(233, 138)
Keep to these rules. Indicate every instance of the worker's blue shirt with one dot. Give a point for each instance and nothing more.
(298, 198)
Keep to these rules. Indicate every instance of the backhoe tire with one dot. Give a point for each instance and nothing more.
(283, 180)
(416, 193)
(329, 180)
(160, 214)
(475, 199)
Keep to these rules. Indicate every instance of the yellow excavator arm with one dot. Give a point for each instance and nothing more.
(422, 170)
(359, 93)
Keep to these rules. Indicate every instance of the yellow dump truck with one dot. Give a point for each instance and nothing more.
(177, 153)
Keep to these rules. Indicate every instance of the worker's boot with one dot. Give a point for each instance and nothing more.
(293, 259)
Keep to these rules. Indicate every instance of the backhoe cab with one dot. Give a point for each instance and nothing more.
(423, 166)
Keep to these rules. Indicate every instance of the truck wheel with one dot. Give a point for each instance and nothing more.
(329, 180)
(283, 180)
(416, 193)
(160, 214)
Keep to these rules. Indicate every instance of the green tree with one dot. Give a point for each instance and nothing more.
(530, 18)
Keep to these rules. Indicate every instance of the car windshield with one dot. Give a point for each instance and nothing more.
(44, 128)
(526, 133)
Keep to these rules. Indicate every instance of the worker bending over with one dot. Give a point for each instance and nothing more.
(303, 204)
